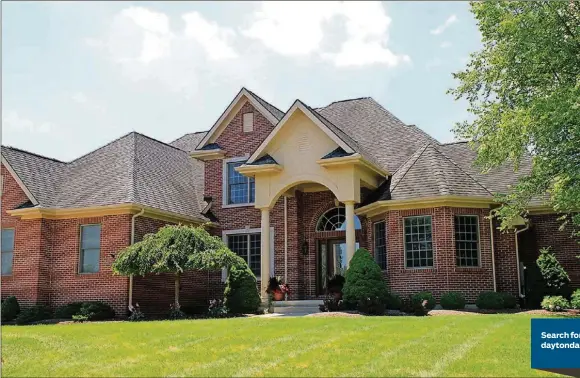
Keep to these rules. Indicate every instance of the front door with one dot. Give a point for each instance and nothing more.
(332, 260)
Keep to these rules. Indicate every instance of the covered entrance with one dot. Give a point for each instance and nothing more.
(305, 154)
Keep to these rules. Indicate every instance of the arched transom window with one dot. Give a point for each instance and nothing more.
(334, 220)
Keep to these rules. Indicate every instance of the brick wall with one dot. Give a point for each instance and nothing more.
(445, 275)
(67, 284)
(545, 232)
(24, 280)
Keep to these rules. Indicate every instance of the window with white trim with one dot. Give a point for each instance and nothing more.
(380, 241)
(418, 242)
(248, 247)
(248, 122)
(335, 220)
(467, 240)
(90, 248)
(240, 189)
(7, 250)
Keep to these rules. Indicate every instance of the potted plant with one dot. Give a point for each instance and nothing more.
(335, 284)
(277, 288)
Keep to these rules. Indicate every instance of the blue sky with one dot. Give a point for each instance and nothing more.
(77, 75)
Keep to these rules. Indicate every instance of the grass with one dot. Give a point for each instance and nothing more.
(492, 345)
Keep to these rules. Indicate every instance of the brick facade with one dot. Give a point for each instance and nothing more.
(46, 252)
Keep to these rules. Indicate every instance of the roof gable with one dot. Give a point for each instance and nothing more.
(324, 125)
(272, 114)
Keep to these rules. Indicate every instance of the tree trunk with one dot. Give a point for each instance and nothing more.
(177, 279)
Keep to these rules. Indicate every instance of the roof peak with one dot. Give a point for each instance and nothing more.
(346, 100)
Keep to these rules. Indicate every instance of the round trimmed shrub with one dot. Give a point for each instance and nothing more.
(489, 300)
(68, 310)
(509, 301)
(33, 314)
(393, 301)
(241, 293)
(575, 299)
(363, 280)
(424, 296)
(555, 303)
(10, 309)
(452, 301)
(96, 311)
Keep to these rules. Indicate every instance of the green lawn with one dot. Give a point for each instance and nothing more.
(495, 345)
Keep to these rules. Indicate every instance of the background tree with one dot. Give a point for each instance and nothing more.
(174, 249)
(523, 88)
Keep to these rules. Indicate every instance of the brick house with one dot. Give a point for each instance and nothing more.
(294, 193)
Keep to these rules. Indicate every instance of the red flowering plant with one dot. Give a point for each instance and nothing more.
(277, 288)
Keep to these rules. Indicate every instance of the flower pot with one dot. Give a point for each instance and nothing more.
(278, 296)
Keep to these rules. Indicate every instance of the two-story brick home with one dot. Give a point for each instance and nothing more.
(294, 193)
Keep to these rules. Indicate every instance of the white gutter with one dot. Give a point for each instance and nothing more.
(491, 230)
(518, 258)
(133, 242)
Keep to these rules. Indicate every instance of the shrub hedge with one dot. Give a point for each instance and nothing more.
(555, 303)
(452, 301)
(68, 310)
(34, 314)
(422, 296)
(241, 293)
(10, 309)
(575, 299)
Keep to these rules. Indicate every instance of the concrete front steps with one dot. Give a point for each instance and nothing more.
(297, 308)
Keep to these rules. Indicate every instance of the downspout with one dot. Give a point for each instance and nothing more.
(518, 258)
(286, 239)
(491, 232)
(133, 242)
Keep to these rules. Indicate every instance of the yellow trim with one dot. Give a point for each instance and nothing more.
(99, 211)
(355, 159)
(208, 154)
(541, 209)
(428, 202)
(254, 169)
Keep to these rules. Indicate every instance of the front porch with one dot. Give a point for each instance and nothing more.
(304, 162)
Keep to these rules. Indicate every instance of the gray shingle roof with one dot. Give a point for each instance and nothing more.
(381, 135)
(189, 142)
(40, 175)
(131, 169)
(497, 180)
(429, 173)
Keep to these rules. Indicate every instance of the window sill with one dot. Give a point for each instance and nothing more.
(237, 205)
(429, 269)
(86, 273)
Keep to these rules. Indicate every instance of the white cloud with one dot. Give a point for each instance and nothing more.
(12, 121)
(296, 28)
(210, 35)
(441, 28)
(146, 47)
(445, 44)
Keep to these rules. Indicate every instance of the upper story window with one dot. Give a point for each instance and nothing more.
(335, 220)
(380, 243)
(90, 248)
(239, 188)
(248, 122)
(467, 240)
(7, 250)
(418, 242)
